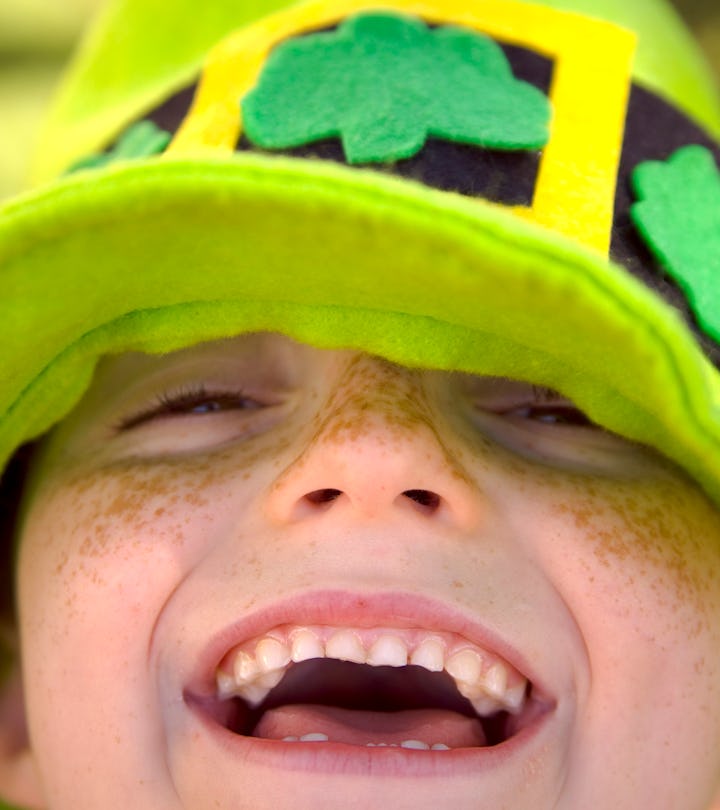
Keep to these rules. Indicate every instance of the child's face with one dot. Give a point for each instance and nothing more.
(198, 503)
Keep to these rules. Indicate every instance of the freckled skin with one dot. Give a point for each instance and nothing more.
(592, 556)
(370, 391)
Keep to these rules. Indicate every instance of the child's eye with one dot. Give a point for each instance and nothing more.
(558, 414)
(543, 405)
(193, 402)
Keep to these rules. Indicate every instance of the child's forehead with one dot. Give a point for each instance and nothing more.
(266, 357)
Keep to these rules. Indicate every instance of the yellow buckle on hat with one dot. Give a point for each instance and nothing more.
(575, 190)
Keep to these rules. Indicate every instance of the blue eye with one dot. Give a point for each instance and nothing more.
(192, 402)
(559, 414)
(545, 406)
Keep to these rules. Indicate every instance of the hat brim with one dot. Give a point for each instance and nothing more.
(156, 255)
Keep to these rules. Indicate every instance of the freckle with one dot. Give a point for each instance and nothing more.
(62, 563)
(662, 525)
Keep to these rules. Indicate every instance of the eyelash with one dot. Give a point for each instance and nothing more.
(188, 401)
(550, 407)
(547, 406)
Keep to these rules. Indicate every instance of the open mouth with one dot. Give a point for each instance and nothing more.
(375, 688)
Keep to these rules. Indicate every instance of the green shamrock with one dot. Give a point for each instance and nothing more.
(678, 215)
(384, 83)
(143, 139)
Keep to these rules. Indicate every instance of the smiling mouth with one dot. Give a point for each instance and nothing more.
(374, 688)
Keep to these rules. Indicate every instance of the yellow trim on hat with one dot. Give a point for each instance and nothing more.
(575, 191)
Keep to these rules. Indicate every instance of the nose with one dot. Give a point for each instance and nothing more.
(378, 448)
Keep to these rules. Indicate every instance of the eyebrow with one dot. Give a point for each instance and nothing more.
(542, 393)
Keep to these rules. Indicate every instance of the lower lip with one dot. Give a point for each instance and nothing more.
(340, 758)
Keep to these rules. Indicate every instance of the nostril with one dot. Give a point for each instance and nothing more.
(423, 497)
(321, 496)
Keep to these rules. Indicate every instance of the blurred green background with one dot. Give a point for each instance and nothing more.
(36, 37)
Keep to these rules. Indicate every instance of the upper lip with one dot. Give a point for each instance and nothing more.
(358, 609)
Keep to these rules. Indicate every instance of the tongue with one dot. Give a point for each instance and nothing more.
(362, 727)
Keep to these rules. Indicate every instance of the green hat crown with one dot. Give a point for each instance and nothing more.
(444, 96)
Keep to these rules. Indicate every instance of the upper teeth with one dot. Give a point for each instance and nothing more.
(252, 669)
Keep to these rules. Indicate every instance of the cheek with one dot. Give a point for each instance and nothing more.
(634, 535)
(640, 576)
(109, 547)
(636, 563)
(654, 544)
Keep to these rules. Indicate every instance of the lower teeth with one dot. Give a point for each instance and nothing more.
(415, 744)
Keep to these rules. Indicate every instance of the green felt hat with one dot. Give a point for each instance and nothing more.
(495, 186)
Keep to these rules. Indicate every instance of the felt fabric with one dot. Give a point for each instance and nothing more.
(667, 62)
(678, 214)
(170, 114)
(384, 83)
(506, 177)
(510, 178)
(143, 139)
(136, 55)
(576, 186)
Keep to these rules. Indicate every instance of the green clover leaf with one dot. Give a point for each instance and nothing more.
(678, 216)
(384, 83)
(143, 139)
